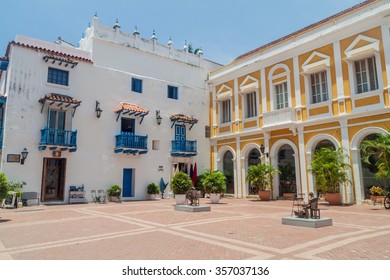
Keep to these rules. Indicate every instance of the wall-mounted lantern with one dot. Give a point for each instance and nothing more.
(23, 155)
(262, 150)
(98, 111)
(158, 117)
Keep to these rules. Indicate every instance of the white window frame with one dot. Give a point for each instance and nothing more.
(283, 94)
(280, 80)
(317, 92)
(224, 93)
(250, 104)
(366, 74)
(312, 68)
(222, 108)
(362, 53)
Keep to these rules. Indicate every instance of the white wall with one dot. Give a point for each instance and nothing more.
(108, 80)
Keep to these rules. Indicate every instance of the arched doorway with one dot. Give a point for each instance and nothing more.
(369, 170)
(254, 158)
(228, 171)
(324, 144)
(287, 177)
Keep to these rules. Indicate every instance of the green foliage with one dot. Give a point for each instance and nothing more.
(153, 188)
(376, 190)
(330, 169)
(181, 183)
(214, 182)
(261, 176)
(379, 149)
(114, 190)
(16, 186)
(4, 187)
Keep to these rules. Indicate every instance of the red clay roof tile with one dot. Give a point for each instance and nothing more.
(124, 106)
(59, 98)
(182, 117)
(307, 28)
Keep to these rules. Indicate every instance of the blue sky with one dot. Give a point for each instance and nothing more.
(224, 29)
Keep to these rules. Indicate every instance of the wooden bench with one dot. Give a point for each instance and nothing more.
(30, 195)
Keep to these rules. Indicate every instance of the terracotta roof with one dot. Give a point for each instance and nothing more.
(183, 118)
(48, 51)
(56, 97)
(123, 106)
(307, 28)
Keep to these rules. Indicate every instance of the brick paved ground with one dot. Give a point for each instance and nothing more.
(235, 229)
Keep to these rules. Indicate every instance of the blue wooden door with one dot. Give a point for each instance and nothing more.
(127, 186)
(180, 132)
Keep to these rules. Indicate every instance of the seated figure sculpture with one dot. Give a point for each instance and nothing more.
(192, 197)
(309, 210)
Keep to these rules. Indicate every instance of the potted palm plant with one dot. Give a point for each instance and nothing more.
(153, 191)
(330, 169)
(376, 153)
(114, 192)
(260, 177)
(214, 183)
(181, 183)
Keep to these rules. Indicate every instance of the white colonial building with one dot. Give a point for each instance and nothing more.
(119, 109)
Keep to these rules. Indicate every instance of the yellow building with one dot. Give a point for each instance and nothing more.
(324, 85)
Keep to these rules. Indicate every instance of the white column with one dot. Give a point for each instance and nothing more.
(263, 90)
(216, 167)
(238, 187)
(236, 120)
(347, 189)
(297, 83)
(302, 162)
(386, 49)
(357, 178)
(339, 75)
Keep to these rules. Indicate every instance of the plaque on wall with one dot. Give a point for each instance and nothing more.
(13, 158)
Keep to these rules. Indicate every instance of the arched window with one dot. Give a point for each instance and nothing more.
(324, 144)
(228, 170)
(286, 163)
(369, 170)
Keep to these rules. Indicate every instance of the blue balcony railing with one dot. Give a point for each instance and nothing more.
(1, 137)
(183, 148)
(58, 137)
(131, 141)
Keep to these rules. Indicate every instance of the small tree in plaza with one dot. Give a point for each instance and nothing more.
(4, 186)
(377, 152)
(330, 169)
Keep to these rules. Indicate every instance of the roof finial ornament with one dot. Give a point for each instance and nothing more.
(185, 47)
(136, 31)
(170, 42)
(154, 37)
(96, 14)
(117, 25)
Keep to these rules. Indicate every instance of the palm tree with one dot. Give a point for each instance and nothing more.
(260, 176)
(330, 169)
(377, 152)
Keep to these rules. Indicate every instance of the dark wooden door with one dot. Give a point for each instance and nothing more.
(53, 180)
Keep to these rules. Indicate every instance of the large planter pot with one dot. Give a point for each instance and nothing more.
(377, 198)
(114, 198)
(333, 198)
(180, 199)
(214, 197)
(289, 195)
(154, 196)
(265, 195)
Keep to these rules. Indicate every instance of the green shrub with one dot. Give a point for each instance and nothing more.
(214, 182)
(153, 188)
(181, 183)
(4, 187)
(114, 190)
